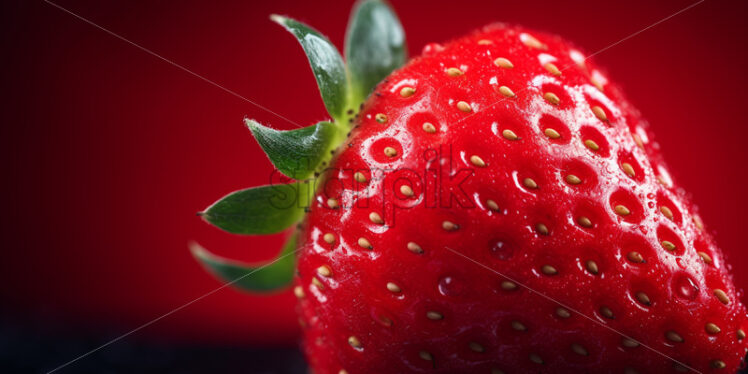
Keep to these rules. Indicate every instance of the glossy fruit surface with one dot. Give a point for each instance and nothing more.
(500, 207)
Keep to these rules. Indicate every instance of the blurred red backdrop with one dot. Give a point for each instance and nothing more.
(108, 152)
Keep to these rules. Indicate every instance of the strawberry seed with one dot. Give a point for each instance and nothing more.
(503, 63)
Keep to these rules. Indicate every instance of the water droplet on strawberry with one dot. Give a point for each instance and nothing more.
(448, 286)
(431, 48)
(685, 287)
(501, 249)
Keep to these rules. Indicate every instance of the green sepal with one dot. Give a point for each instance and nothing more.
(327, 64)
(296, 153)
(268, 277)
(374, 46)
(260, 210)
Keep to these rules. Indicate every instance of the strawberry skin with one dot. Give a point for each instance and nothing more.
(499, 207)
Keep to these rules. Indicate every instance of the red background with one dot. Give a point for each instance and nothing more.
(108, 152)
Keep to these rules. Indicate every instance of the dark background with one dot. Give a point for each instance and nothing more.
(108, 152)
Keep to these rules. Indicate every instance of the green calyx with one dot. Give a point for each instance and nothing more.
(297, 153)
(265, 277)
(326, 62)
(374, 47)
(259, 210)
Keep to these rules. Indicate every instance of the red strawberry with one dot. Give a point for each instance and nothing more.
(499, 207)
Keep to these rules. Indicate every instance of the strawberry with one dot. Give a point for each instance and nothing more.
(494, 206)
